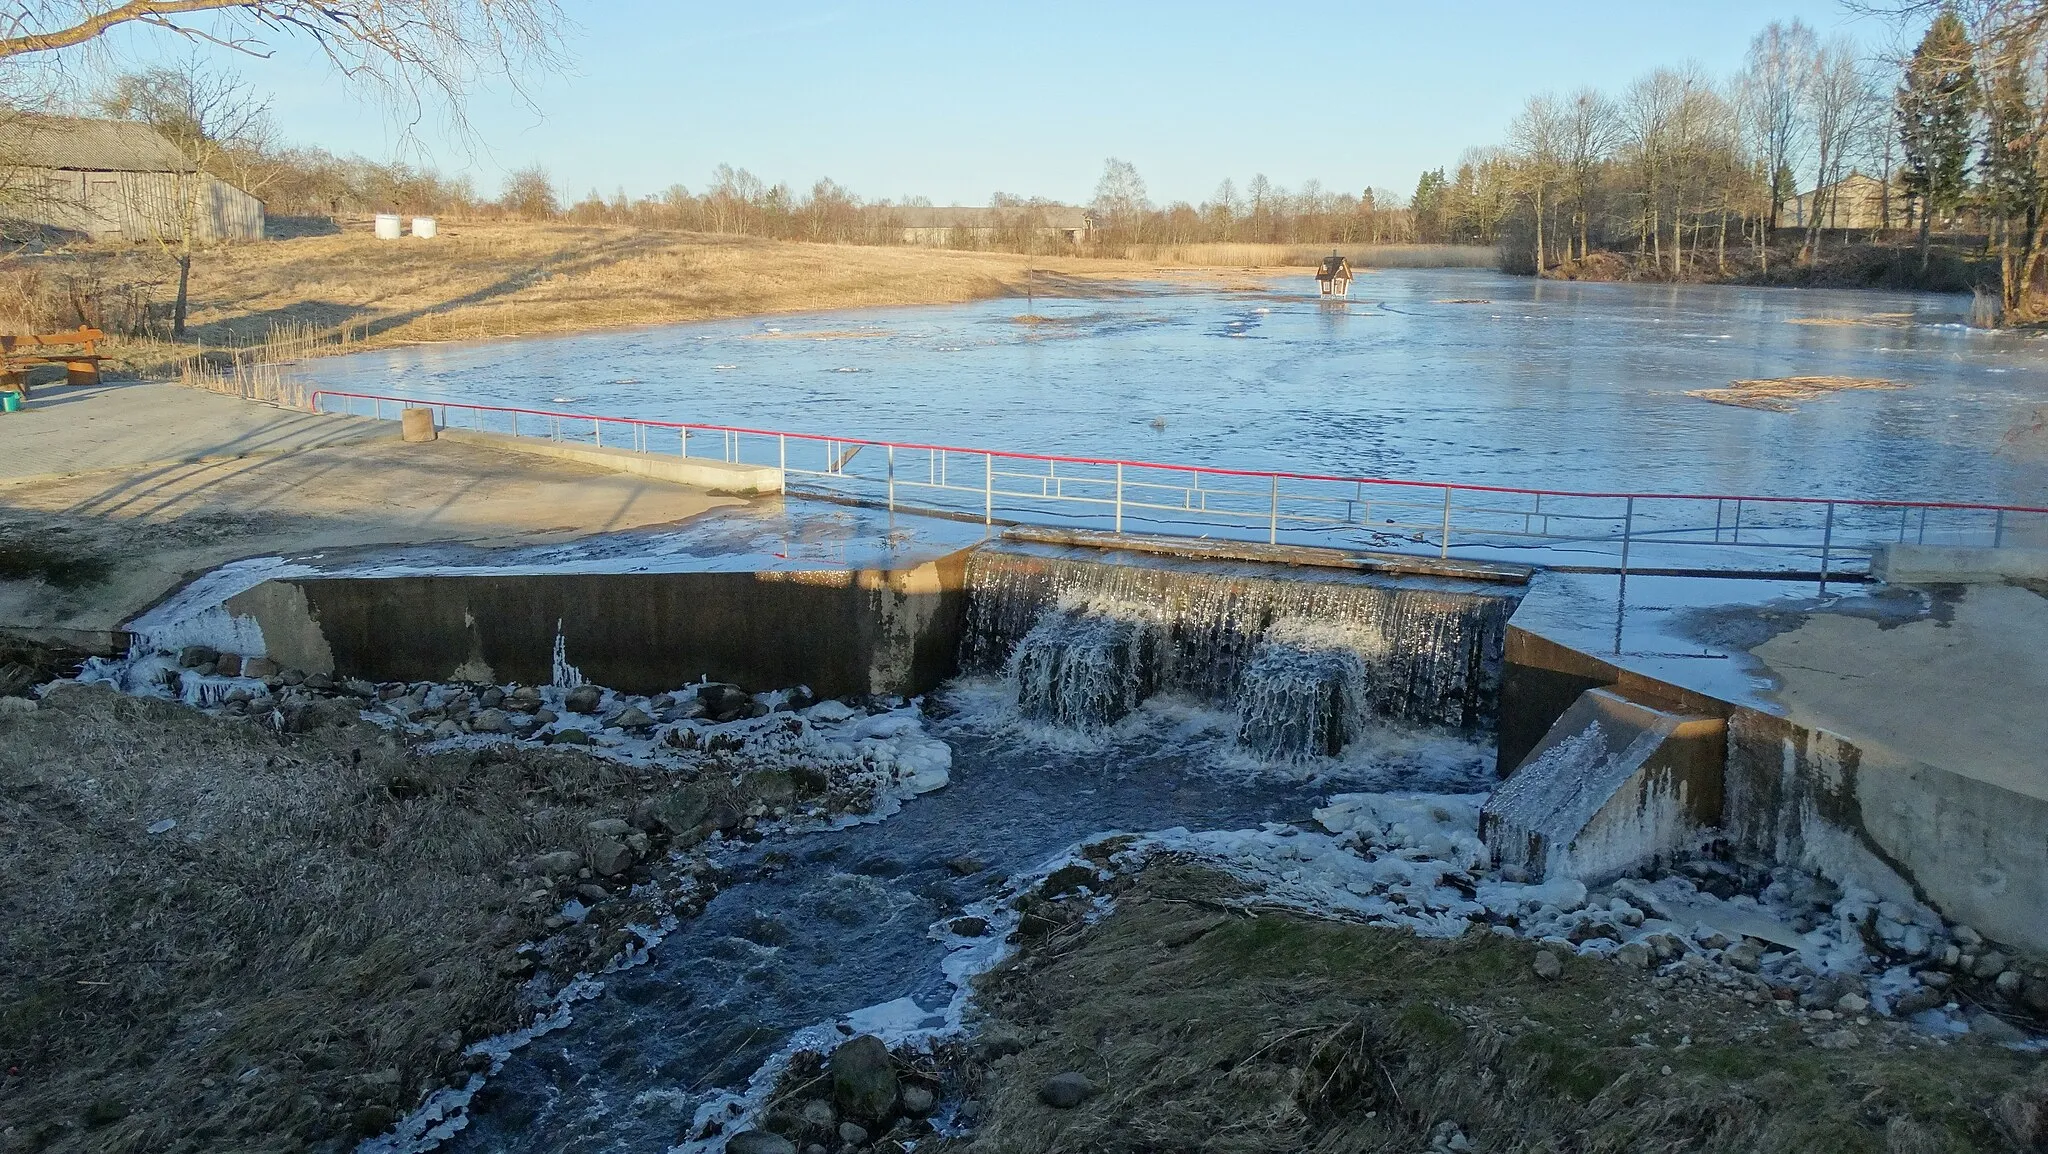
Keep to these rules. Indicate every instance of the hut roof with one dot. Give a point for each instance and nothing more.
(94, 145)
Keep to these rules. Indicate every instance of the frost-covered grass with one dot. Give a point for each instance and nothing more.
(1210, 1028)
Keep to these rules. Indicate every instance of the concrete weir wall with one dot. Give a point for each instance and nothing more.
(1799, 795)
(837, 631)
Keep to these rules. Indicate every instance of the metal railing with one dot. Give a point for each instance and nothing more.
(1642, 533)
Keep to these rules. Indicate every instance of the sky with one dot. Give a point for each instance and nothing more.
(955, 102)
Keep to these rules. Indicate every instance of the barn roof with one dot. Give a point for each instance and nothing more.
(94, 145)
(1054, 215)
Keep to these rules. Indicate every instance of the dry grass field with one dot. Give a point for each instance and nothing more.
(478, 281)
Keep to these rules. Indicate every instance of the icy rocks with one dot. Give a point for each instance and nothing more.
(1743, 955)
(491, 721)
(1547, 965)
(633, 717)
(1066, 1091)
(759, 1142)
(724, 702)
(1851, 1004)
(608, 841)
(919, 1101)
(583, 699)
(864, 1081)
(968, 927)
(524, 699)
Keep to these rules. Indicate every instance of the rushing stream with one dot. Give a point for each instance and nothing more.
(819, 925)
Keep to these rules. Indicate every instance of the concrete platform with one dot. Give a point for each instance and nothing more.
(1894, 734)
(701, 472)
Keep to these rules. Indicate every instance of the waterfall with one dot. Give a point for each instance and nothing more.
(1309, 658)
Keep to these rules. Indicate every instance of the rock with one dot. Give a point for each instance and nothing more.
(491, 721)
(1990, 965)
(633, 717)
(229, 665)
(759, 1142)
(583, 699)
(569, 737)
(590, 893)
(819, 1113)
(1844, 1039)
(1547, 965)
(1066, 1091)
(609, 858)
(317, 682)
(357, 687)
(968, 927)
(544, 716)
(194, 656)
(2008, 984)
(292, 676)
(918, 1102)
(773, 787)
(1851, 1004)
(961, 867)
(677, 811)
(853, 1134)
(261, 668)
(1967, 938)
(799, 698)
(16, 705)
(1069, 879)
(447, 729)
(723, 702)
(2034, 995)
(1633, 956)
(1710, 938)
(491, 698)
(561, 863)
(1993, 1028)
(1917, 999)
(864, 1079)
(524, 699)
(1936, 979)
(1743, 955)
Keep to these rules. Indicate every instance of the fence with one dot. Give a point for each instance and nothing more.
(1608, 532)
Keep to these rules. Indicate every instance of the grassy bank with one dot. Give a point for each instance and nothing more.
(223, 937)
(1238, 255)
(1953, 265)
(477, 281)
(1208, 1028)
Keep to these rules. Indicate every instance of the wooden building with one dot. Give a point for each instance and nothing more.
(982, 227)
(113, 179)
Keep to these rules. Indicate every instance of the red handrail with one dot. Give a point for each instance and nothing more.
(1211, 470)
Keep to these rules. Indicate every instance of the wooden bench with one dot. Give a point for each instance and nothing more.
(19, 354)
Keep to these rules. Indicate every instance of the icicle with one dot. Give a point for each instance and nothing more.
(564, 675)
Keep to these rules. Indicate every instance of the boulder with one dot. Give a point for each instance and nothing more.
(773, 787)
(723, 702)
(676, 811)
(261, 668)
(759, 1142)
(561, 863)
(317, 682)
(491, 698)
(633, 717)
(569, 737)
(918, 1102)
(1547, 965)
(968, 927)
(194, 656)
(609, 857)
(853, 1134)
(524, 699)
(583, 699)
(1066, 1091)
(864, 1081)
(491, 721)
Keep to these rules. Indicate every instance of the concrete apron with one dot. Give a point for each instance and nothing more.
(892, 631)
(1796, 794)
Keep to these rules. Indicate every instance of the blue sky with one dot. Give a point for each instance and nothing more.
(956, 101)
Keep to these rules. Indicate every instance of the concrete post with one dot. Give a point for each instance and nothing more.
(416, 425)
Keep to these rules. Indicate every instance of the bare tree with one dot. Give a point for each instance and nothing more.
(204, 114)
(1589, 133)
(1539, 136)
(409, 51)
(1775, 86)
(1120, 201)
(1845, 109)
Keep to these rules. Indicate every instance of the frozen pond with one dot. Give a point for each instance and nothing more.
(1444, 375)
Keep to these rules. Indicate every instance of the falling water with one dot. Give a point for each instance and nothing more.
(1309, 658)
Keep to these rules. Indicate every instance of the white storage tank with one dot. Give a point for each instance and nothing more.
(389, 227)
(423, 226)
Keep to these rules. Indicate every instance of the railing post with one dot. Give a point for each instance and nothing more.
(1273, 514)
(597, 431)
(683, 436)
(1628, 525)
(1444, 549)
(892, 478)
(515, 422)
(782, 455)
(1827, 541)
(1119, 496)
(988, 490)
(1998, 530)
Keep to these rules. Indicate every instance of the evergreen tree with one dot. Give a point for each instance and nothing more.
(1936, 109)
